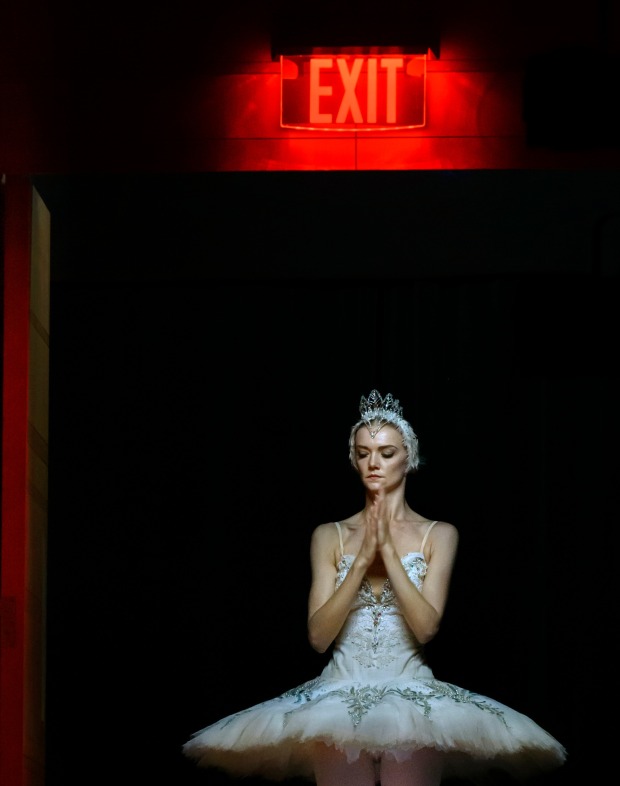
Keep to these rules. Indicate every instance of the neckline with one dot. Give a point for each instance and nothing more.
(378, 598)
(404, 557)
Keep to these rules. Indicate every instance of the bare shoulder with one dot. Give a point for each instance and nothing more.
(442, 545)
(325, 536)
(328, 529)
(444, 534)
(324, 545)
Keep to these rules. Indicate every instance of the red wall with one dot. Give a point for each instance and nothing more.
(15, 257)
(144, 90)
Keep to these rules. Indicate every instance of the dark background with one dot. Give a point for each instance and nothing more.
(211, 336)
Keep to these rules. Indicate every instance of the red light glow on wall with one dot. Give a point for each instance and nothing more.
(344, 92)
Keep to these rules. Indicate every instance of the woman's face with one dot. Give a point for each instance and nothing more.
(382, 462)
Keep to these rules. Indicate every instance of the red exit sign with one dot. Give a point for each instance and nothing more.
(352, 92)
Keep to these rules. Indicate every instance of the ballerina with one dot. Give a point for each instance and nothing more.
(376, 713)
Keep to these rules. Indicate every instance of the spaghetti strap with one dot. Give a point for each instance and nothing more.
(338, 527)
(426, 536)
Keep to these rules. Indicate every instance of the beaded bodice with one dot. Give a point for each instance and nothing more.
(375, 636)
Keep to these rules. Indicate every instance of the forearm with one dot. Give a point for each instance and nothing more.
(325, 623)
(420, 615)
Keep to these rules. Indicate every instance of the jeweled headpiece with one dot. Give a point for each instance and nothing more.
(376, 412)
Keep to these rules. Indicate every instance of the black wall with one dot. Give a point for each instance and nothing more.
(211, 336)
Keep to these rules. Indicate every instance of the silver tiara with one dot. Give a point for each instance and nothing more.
(379, 410)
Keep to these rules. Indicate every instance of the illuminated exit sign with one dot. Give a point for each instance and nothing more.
(352, 92)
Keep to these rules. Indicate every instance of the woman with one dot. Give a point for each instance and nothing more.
(376, 714)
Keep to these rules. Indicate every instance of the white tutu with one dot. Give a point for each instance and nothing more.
(377, 695)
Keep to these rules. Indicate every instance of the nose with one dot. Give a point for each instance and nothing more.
(373, 460)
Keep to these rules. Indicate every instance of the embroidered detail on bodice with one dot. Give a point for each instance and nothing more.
(414, 564)
(375, 628)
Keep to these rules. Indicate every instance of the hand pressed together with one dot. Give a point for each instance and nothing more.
(377, 536)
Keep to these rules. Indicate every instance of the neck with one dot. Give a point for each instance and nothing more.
(396, 505)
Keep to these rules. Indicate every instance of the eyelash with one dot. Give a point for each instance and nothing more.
(384, 455)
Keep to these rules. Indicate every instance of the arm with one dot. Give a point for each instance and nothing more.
(424, 610)
(327, 607)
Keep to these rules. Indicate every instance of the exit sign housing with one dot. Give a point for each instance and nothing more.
(353, 92)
